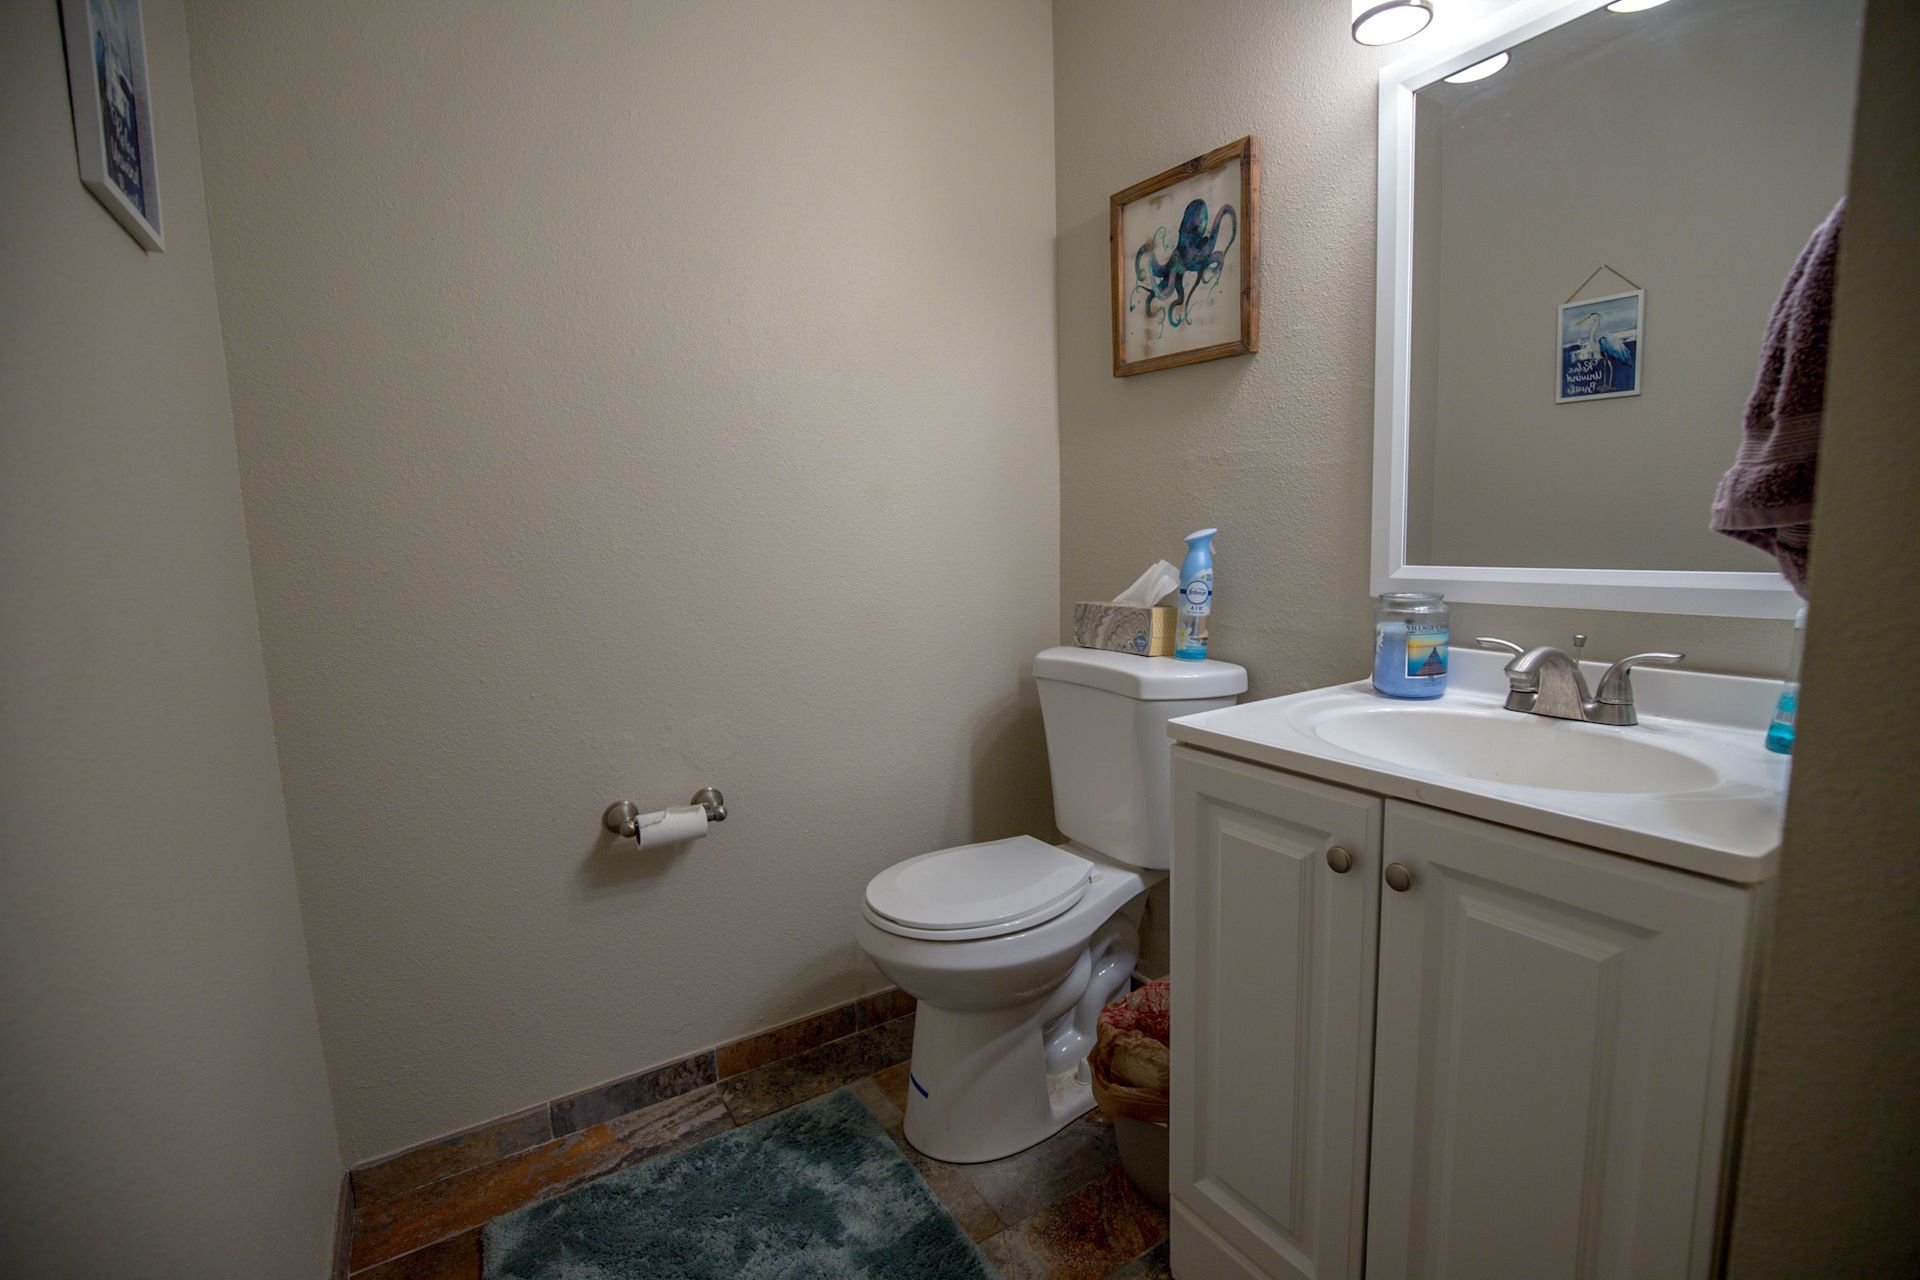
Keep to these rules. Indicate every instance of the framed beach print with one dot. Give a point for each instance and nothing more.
(1185, 248)
(113, 112)
(1600, 348)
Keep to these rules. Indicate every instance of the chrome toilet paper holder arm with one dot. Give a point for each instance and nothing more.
(622, 816)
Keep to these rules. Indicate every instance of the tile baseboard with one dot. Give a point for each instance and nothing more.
(455, 1153)
(604, 1102)
(343, 1228)
(779, 1085)
(485, 1143)
(789, 1039)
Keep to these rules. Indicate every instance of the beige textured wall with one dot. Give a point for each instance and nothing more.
(163, 1104)
(630, 397)
(1655, 143)
(1274, 448)
(1829, 1180)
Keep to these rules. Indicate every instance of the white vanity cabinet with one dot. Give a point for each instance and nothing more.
(1518, 1066)
(1273, 961)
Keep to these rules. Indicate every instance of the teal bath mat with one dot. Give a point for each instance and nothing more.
(818, 1192)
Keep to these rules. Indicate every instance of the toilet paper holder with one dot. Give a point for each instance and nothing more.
(622, 816)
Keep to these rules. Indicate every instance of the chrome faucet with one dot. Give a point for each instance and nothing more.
(1545, 681)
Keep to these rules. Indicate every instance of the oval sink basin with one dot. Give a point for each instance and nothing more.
(1515, 750)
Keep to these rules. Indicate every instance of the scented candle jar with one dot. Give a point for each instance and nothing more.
(1410, 644)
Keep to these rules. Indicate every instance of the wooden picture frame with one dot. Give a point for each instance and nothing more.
(1161, 282)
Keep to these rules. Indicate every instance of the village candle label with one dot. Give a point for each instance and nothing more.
(1426, 650)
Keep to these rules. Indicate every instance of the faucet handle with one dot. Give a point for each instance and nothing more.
(1495, 642)
(1616, 686)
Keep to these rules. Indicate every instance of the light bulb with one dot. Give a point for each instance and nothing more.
(1479, 70)
(1633, 6)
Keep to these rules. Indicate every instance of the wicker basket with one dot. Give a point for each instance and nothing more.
(1130, 1082)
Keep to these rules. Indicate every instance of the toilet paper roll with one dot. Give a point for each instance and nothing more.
(681, 823)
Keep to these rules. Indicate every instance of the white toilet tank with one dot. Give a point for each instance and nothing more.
(1106, 716)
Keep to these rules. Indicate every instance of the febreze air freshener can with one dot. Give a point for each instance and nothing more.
(1196, 597)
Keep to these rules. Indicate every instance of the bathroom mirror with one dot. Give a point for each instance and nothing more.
(1586, 217)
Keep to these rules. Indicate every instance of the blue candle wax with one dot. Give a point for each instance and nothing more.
(1395, 676)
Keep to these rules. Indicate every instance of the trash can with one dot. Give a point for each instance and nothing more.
(1130, 1082)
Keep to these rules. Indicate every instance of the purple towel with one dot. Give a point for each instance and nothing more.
(1766, 497)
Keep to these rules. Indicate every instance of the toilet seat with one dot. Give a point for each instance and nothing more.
(977, 890)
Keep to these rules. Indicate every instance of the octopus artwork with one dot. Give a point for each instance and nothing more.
(1184, 258)
(1171, 271)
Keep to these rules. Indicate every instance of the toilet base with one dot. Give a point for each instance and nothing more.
(993, 1096)
(986, 1083)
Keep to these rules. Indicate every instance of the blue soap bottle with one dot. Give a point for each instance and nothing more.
(1196, 597)
(1787, 709)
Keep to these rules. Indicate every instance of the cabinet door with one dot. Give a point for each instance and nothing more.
(1553, 1059)
(1273, 955)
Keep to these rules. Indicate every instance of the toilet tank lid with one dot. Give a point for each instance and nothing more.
(1148, 679)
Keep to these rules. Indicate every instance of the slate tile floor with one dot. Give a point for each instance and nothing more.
(1063, 1210)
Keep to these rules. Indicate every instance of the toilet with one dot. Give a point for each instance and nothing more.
(1012, 947)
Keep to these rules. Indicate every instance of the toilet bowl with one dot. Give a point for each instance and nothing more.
(1012, 947)
(1006, 1016)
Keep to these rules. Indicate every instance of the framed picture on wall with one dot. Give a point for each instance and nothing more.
(113, 112)
(1599, 353)
(1186, 262)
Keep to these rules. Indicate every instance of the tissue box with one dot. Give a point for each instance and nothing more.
(1124, 628)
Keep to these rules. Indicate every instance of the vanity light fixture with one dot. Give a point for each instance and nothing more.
(1391, 21)
(1633, 6)
(1479, 70)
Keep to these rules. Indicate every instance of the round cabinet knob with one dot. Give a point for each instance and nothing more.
(1399, 879)
(1340, 860)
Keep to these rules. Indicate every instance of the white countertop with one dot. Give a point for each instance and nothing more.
(1726, 826)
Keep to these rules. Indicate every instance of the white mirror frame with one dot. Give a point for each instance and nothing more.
(1722, 594)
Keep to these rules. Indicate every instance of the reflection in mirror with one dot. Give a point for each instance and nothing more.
(1660, 171)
